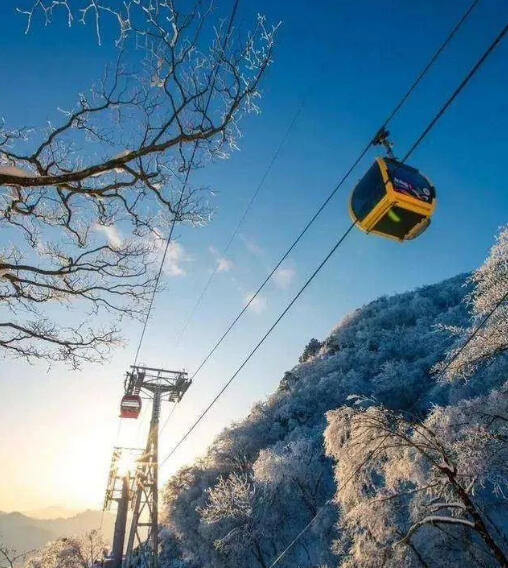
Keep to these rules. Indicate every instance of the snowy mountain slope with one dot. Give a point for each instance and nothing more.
(264, 478)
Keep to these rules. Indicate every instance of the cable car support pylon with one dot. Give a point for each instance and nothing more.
(142, 487)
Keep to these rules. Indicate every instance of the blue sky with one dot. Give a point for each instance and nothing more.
(350, 61)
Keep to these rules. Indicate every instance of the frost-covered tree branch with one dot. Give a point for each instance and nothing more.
(7, 557)
(487, 338)
(75, 552)
(419, 475)
(235, 508)
(86, 201)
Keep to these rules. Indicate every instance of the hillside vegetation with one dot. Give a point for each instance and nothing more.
(385, 447)
(385, 378)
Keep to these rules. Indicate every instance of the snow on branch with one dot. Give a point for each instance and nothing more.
(395, 474)
(487, 338)
(116, 167)
(434, 520)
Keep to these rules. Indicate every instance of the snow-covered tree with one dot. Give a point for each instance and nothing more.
(87, 201)
(487, 337)
(288, 381)
(311, 349)
(236, 509)
(294, 473)
(406, 488)
(294, 469)
(384, 352)
(7, 557)
(76, 552)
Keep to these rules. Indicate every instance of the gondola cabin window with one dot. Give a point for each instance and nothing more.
(398, 222)
(368, 192)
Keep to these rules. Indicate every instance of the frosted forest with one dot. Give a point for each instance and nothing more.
(386, 446)
(390, 437)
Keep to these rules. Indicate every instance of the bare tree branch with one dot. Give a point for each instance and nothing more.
(115, 167)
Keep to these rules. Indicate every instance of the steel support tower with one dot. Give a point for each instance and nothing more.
(119, 490)
(159, 385)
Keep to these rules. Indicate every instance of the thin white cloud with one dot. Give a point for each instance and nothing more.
(283, 277)
(175, 257)
(258, 304)
(111, 233)
(251, 246)
(224, 264)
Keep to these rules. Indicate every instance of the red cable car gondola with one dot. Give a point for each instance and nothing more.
(130, 407)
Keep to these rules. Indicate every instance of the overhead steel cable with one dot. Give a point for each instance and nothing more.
(473, 334)
(185, 181)
(168, 418)
(242, 219)
(300, 534)
(480, 325)
(261, 341)
(353, 474)
(420, 138)
(340, 183)
(462, 84)
(432, 60)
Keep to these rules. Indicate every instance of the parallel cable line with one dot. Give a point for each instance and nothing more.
(432, 60)
(462, 84)
(427, 129)
(261, 341)
(484, 320)
(340, 183)
(184, 186)
(168, 418)
(473, 334)
(242, 219)
(175, 217)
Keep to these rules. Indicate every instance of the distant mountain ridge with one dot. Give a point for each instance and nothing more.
(21, 532)
(51, 512)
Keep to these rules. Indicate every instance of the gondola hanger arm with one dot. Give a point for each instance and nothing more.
(381, 139)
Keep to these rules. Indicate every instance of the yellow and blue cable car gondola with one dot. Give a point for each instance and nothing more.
(393, 199)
